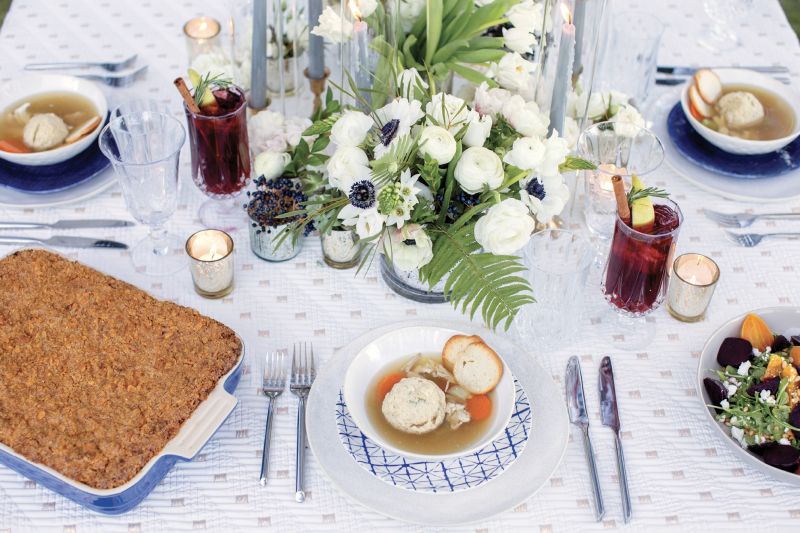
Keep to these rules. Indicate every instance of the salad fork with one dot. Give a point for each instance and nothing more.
(742, 220)
(111, 66)
(116, 80)
(748, 240)
(303, 375)
(273, 384)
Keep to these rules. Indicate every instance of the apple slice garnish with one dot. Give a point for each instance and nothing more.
(643, 216)
(709, 86)
(698, 105)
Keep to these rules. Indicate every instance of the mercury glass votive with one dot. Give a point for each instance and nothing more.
(694, 278)
(211, 255)
(202, 36)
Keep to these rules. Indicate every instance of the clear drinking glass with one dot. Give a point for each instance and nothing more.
(628, 151)
(727, 16)
(634, 54)
(558, 265)
(144, 147)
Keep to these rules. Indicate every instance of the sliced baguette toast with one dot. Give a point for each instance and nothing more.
(477, 368)
(454, 346)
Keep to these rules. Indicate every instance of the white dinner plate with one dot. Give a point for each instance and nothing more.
(82, 191)
(531, 469)
(781, 188)
(782, 321)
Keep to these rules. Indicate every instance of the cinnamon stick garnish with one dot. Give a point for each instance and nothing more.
(187, 96)
(623, 208)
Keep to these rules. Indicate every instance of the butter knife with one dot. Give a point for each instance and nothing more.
(67, 241)
(68, 224)
(609, 414)
(578, 415)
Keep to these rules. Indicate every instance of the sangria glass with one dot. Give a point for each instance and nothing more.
(220, 153)
(635, 278)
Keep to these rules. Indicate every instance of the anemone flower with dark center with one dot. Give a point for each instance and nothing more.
(362, 194)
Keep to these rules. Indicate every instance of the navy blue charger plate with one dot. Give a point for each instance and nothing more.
(53, 178)
(704, 154)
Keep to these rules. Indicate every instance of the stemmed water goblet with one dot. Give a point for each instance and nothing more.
(726, 16)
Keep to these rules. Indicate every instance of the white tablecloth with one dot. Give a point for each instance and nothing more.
(682, 475)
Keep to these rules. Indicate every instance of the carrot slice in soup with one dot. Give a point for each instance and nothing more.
(386, 384)
(479, 407)
(14, 147)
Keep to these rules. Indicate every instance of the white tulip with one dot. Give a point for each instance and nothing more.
(438, 143)
(369, 224)
(365, 7)
(598, 105)
(519, 40)
(525, 117)
(351, 129)
(332, 28)
(627, 121)
(530, 16)
(403, 254)
(617, 98)
(527, 153)
(505, 228)
(478, 130)
(346, 166)
(448, 111)
(556, 151)
(571, 132)
(478, 168)
(407, 82)
(514, 72)
(271, 164)
(490, 101)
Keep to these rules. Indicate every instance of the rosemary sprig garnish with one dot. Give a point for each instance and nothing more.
(208, 81)
(634, 195)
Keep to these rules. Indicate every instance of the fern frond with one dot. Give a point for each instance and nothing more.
(477, 281)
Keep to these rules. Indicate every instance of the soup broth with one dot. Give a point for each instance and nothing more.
(441, 440)
(74, 109)
(779, 119)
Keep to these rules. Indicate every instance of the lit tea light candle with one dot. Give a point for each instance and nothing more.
(211, 253)
(606, 172)
(202, 34)
(691, 286)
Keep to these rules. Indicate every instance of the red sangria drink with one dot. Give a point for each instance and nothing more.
(635, 279)
(220, 149)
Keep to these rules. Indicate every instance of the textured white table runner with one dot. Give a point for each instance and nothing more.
(682, 475)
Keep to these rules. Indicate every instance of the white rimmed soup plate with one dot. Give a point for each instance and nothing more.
(735, 145)
(396, 347)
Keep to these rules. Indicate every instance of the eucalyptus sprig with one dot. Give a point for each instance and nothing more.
(638, 194)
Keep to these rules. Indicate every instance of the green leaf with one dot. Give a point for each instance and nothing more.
(576, 163)
(449, 184)
(434, 28)
(444, 53)
(470, 74)
(479, 56)
(408, 54)
(321, 126)
(320, 143)
(486, 42)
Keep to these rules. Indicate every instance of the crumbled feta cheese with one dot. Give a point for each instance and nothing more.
(756, 352)
(744, 368)
(734, 421)
(731, 389)
(785, 441)
(768, 350)
(738, 434)
(758, 439)
(724, 404)
(766, 397)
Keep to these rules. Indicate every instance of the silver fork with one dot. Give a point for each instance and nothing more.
(748, 240)
(742, 220)
(273, 384)
(116, 80)
(303, 374)
(111, 66)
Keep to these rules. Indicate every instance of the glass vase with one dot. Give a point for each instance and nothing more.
(264, 243)
(340, 249)
(407, 283)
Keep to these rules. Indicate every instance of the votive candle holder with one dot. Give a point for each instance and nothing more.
(202, 36)
(211, 255)
(694, 278)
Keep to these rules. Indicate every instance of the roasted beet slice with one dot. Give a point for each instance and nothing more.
(734, 351)
(780, 343)
(759, 449)
(782, 456)
(796, 340)
(794, 420)
(716, 392)
(770, 384)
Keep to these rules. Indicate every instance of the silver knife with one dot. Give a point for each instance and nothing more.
(63, 240)
(576, 406)
(68, 224)
(609, 414)
(771, 69)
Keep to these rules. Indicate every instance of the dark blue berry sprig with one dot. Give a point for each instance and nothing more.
(273, 198)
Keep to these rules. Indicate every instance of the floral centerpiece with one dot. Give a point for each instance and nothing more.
(438, 186)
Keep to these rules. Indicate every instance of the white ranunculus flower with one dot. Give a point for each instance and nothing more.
(571, 132)
(478, 130)
(525, 117)
(598, 105)
(556, 151)
(265, 132)
(293, 129)
(409, 248)
(448, 111)
(527, 153)
(351, 129)
(617, 98)
(545, 198)
(408, 80)
(505, 228)
(347, 165)
(519, 40)
(215, 64)
(572, 104)
(477, 168)
(514, 72)
(332, 28)
(365, 7)
(370, 223)
(627, 121)
(530, 16)
(297, 30)
(438, 143)
(490, 101)
(271, 164)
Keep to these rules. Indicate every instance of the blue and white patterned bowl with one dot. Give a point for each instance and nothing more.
(451, 475)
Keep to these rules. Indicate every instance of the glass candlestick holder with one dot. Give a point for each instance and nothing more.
(694, 279)
(211, 255)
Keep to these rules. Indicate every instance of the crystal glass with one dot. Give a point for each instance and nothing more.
(638, 269)
(628, 151)
(727, 17)
(558, 263)
(144, 148)
(634, 54)
(221, 160)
